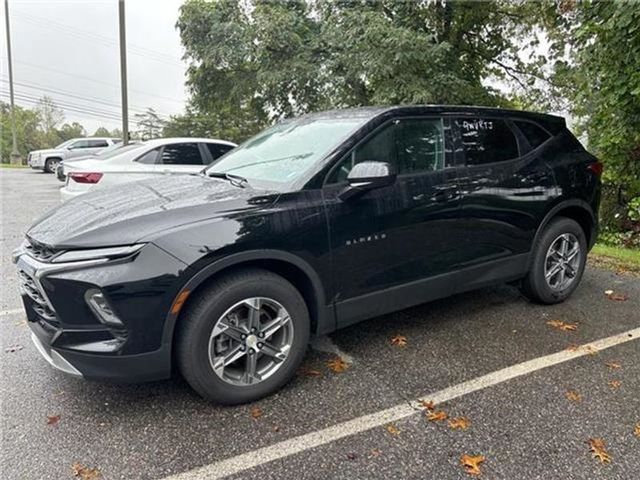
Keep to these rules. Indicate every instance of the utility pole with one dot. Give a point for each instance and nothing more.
(123, 74)
(15, 155)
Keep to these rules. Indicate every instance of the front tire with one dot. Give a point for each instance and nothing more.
(558, 262)
(243, 337)
(51, 165)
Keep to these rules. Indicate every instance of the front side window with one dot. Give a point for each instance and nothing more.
(79, 144)
(487, 140)
(283, 153)
(411, 145)
(181, 154)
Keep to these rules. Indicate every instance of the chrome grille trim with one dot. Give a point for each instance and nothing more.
(32, 288)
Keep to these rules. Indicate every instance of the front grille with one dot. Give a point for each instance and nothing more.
(32, 289)
(39, 251)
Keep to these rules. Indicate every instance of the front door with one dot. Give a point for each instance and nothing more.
(394, 246)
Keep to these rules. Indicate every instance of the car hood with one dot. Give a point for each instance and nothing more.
(47, 151)
(134, 212)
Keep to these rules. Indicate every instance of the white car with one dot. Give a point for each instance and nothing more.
(49, 159)
(166, 156)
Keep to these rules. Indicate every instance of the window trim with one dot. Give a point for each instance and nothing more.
(519, 137)
(524, 137)
(445, 120)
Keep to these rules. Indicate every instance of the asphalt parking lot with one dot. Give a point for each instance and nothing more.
(488, 356)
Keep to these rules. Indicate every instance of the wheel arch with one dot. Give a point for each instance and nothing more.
(577, 210)
(291, 267)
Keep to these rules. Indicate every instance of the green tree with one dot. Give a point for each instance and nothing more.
(50, 117)
(70, 130)
(27, 133)
(150, 124)
(600, 77)
(102, 132)
(254, 62)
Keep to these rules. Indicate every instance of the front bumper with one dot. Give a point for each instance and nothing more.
(36, 162)
(70, 336)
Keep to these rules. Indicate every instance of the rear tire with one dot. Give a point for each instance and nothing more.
(558, 261)
(216, 327)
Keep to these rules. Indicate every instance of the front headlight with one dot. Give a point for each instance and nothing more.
(96, 254)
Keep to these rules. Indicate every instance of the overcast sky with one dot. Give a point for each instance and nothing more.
(69, 50)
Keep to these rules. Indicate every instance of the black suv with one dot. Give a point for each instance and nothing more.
(316, 223)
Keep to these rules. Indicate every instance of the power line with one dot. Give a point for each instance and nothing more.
(77, 76)
(99, 39)
(80, 97)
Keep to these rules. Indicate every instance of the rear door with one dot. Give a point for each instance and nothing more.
(181, 158)
(388, 243)
(506, 185)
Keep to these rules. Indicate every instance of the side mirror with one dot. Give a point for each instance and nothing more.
(365, 176)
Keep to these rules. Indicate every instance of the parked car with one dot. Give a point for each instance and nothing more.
(165, 156)
(312, 225)
(108, 152)
(49, 159)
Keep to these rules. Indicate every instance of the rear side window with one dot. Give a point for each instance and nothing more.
(534, 134)
(218, 149)
(97, 143)
(181, 154)
(487, 140)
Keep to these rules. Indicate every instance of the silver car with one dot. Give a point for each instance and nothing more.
(49, 159)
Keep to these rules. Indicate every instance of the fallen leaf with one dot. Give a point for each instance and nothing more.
(85, 473)
(337, 365)
(565, 327)
(428, 404)
(13, 348)
(276, 428)
(471, 464)
(460, 423)
(256, 412)
(615, 384)
(573, 347)
(399, 341)
(598, 450)
(352, 456)
(310, 372)
(21, 323)
(437, 416)
(617, 297)
(613, 365)
(392, 429)
(376, 452)
(53, 419)
(636, 431)
(591, 350)
(573, 396)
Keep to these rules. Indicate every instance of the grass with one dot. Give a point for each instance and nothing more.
(8, 165)
(622, 260)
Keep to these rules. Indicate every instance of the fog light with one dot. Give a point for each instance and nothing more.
(101, 308)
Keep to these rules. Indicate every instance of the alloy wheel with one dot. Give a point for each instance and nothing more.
(250, 341)
(562, 262)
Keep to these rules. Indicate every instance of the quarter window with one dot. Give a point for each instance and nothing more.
(487, 140)
(149, 158)
(181, 154)
(535, 135)
(218, 149)
(411, 145)
(97, 143)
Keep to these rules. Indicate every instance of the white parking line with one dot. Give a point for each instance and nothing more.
(15, 311)
(311, 440)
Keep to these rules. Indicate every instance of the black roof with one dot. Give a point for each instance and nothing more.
(396, 110)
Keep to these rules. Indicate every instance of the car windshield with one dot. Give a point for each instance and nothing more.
(281, 154)
(114, 150)
(64, 144)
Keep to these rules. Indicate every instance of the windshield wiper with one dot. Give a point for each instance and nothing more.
(235, 180)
